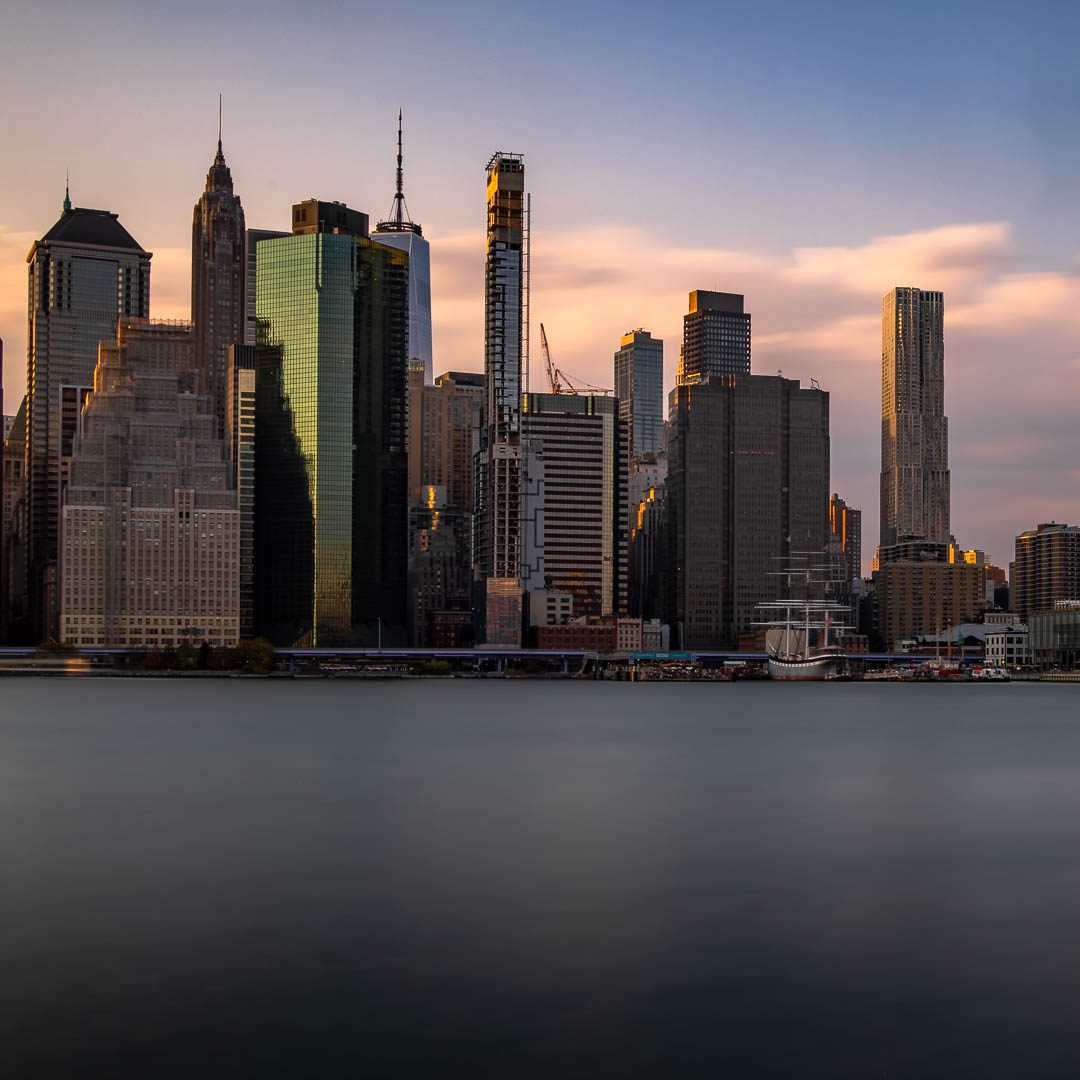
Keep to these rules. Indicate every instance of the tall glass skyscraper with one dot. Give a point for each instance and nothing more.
(639, 386)
(85, 273)
(400, 231)
(914, 428)
(330, 441)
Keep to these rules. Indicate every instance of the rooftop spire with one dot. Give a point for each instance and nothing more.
(67, 190)
(398, 219)
(220, 156)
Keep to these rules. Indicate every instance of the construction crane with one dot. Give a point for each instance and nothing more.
(560, 382)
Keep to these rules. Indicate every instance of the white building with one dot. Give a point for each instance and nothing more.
(1008, 646)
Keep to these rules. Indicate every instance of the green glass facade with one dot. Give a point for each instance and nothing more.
(331, 465)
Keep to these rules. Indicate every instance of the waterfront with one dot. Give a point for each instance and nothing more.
(451, 877)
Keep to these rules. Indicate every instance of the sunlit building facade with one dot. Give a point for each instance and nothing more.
(85, 273)
(151, 530)
(1046, 570)
(331, 468)
(914, 430)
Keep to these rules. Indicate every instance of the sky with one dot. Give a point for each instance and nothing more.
(809, 156)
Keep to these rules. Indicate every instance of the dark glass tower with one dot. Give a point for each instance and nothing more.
(331, 467)
(86, 272)
(716, 337)
(218, 266)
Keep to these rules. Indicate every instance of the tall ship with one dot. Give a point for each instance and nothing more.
(802, 630)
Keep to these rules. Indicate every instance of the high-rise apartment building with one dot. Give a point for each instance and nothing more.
(918, 597)
(151, 530)
(218, 270)
(498, 508)
(914, 429)
(85, 273)
(748, 486)
(240, 445)
(639, 386)
(400, 231)
(1047, 568)
(716, 337)
(577, 445)
(331, 461)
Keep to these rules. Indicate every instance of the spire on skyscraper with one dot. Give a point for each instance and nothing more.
(220, 159)
(67, 191)
(399, 220)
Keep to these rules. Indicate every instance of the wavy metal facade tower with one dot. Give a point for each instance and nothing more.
(915, 482)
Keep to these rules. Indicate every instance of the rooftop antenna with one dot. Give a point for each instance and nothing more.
(219, 153)
(399, 220)
(67, 190)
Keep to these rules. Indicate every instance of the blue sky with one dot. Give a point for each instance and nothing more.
(772, 149)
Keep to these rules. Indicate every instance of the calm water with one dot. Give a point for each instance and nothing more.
(450, 878)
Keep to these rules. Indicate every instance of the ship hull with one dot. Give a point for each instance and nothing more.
(815, 669)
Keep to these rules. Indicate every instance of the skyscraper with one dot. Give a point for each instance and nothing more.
(914, 429)
(150, 536)
(577, 444)
(252, 237)
(13, 531)
(400, 231)
(748, 485)
(716, 337)
(85, 273)
(639, 386)
(218, 267)
(498, 494)
(330, 432)
(240, 444)
(845, 529)
(1047, 568)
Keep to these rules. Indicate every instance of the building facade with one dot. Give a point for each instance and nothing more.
(444, 429)
(240, 445)
(150, 541)
(748, 486)
(498, 510)
(400, 231)
(914, 430)
(1046, 569)
(85, 273)
(916, 598)
(639, 387)
(578, 445)
(716, 337)
(331, 460)
(13, 569)
(218, 287)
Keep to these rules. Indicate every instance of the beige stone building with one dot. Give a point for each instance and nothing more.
(150, 529)
(914, 598)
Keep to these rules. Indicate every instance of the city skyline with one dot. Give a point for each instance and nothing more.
(990, 224)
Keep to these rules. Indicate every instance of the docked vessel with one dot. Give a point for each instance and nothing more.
(801, 633)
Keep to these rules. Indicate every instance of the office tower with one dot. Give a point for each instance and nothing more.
(440, 576)
(914, 430)
(648, 554)
(252, 237)
(13, 583)
(498, 495)
(240, 446)
(748, 486)
(917, 597)
(581, 443)
(716, 337)
(845, 528)
(639, 386)
(218, 267)
(400, 231)
(85, 273)
(443, 430)
(1047, 568)
(150, 530)
(331, 460)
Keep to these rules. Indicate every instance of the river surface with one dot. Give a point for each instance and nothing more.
(251, 878)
